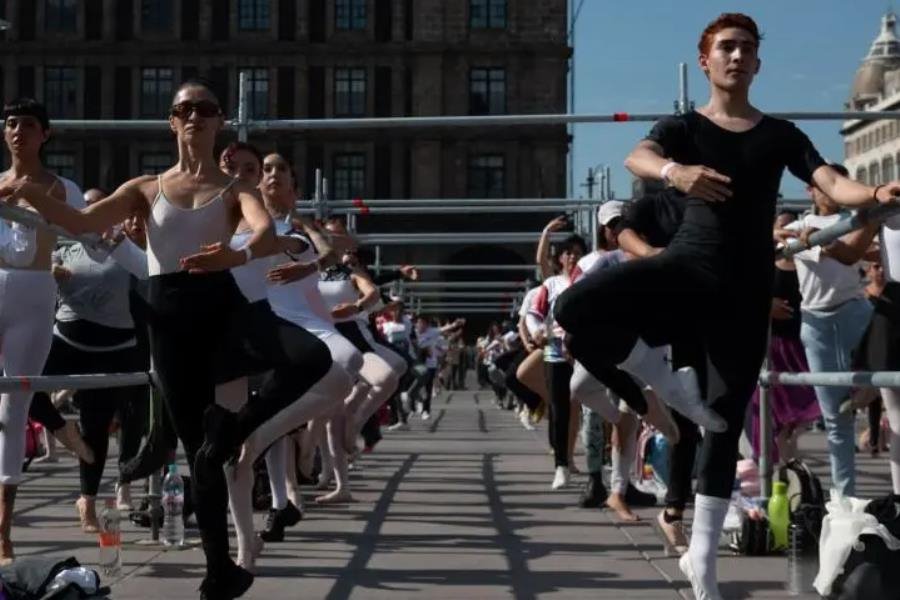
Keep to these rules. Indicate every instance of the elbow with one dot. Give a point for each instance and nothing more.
(630, 163)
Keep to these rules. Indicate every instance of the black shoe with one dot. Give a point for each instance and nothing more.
(594, 494)
(230, 584)
(144, 518)
(277, 520)
(635, 497)
(220, 430)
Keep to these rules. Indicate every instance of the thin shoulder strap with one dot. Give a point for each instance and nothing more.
(229, 186)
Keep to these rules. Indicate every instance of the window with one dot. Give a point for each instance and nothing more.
(61, 91)
(156, 91)
(61, 16)
(861, 175)
(156, 15)
(487, 91)
(874, 175)
(350, 14)
(154, 163)
(258, 87)
(887, 168)
(61, 163)
(487, 14)
(253, 15)
(487, 175)
(349, 92)
(349, 176)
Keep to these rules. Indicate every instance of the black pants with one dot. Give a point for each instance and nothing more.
(203, 331)
(684, 454)
(559, 376)
(676, 296)
(520, 390)
(428, 385)
(97, 408)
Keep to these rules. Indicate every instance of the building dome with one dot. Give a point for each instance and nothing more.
(884, 56)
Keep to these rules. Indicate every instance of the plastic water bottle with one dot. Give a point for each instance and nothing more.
(803, 560)
(110, 540)
(779, 516)
(173, 508)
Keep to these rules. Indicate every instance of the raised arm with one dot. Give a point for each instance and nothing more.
(542, 258)
(848, 192)
(127, 201)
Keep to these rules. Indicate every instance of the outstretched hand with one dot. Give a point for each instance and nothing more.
(212, 258)
(290, 272)
(888, 193)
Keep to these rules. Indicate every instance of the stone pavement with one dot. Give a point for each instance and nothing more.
(457, 508)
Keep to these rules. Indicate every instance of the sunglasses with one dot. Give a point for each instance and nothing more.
(205, 109)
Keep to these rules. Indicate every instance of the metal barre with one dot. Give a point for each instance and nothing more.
(843, 227)
(51, 383)
(482, 285)
(529, 268)
(833, 379)
(488, 237)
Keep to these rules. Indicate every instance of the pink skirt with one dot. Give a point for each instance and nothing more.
(790, 406)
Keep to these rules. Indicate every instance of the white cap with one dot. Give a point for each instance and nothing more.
(610, 210)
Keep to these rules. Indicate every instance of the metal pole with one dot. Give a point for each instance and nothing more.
(483, 285)
(523, 268)
(242, 124)
(609, 193)
(476, 202)
(683, 104)
(493, 237)
(844, 226)
(450, 210)
(317, 196)
(879, 379)
(50, 383)
(378, 262)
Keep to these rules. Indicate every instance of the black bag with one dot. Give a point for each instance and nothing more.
(806, 500)
(870, 574)
(754, 538)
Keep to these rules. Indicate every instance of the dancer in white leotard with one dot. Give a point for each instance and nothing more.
(27, 293)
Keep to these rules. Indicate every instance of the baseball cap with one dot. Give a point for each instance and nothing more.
(610, 210)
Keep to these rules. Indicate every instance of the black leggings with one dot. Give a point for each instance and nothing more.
(97, 408)
(202, 332)
(428, 384)
(684, 454)
(559, 376)
(679, 296)
(529, 398)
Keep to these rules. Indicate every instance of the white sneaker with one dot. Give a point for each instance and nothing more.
(399, 426)
(418, 408)
(561, 478)
(525, 419)
(700, 593)
(690, 402)
(426, 415)
(404, 400)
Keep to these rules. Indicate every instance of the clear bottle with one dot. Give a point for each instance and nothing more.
(779, 516)
(173, 508)
(803, 560)
(110, 540)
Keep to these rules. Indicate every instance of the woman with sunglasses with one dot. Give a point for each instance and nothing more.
(198, 316)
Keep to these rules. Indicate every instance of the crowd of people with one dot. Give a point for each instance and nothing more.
(269, 337)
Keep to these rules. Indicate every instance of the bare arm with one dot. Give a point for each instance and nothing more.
(631, 242)
(853, 247)
(127, 201)
(648, 159)
(262, 241)
(542, 257)
(328, 256)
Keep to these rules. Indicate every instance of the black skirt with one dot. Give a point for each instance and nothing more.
(880, 346)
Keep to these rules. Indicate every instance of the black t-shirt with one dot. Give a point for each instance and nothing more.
(656, 217)
(735, 234)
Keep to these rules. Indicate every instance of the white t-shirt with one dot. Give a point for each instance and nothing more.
(825, 283)
(528, 300)
(889, 236)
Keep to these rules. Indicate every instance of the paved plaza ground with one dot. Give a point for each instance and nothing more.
(458, 508)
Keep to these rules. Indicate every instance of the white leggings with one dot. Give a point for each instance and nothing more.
(891, 398)
(27, 302)
(336, 384)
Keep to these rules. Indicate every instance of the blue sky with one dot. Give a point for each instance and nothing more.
(627, 54)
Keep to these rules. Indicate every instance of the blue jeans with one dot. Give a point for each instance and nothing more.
(829, 338)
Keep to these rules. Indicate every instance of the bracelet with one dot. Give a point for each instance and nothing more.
(875, 192)
(666, 169)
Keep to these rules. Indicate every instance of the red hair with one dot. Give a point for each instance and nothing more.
(727, 21)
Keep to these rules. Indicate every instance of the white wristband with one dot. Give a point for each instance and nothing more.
(666, 169)
(248, 254)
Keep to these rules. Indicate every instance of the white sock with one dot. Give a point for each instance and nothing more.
(892, 407)
(709, 517)
(650, 366)
(276, 459)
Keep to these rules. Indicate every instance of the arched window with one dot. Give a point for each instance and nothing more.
(861, 176)
(887, 169)
(874, 174)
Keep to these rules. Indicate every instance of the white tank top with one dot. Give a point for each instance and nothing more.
(174, 232)
(890, 248)
(336, 287)
(251, 277)
(300, 302)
